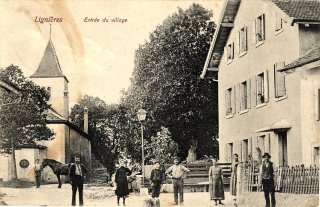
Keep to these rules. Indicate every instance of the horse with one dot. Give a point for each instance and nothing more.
(57, 167)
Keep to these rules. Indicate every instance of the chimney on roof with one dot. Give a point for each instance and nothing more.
(85, 120)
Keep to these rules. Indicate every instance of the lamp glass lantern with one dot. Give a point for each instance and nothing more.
(141, 114)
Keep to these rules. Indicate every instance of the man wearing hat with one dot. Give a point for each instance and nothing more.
(177, 173)
(77, 171)
(37, 172)
(267, 180)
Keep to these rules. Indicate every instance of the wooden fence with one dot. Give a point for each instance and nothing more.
(297, 179)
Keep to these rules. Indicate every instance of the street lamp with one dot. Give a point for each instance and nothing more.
(141, 117)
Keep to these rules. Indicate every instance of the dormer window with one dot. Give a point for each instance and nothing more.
(259, 29)
(230, 52)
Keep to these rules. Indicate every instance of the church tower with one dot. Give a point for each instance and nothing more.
(50, 76)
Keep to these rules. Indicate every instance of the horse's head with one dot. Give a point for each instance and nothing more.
(44, 163)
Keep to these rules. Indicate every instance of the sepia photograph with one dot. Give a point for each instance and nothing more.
(149, 103)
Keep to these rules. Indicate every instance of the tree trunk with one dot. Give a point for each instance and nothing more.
(192, 156)
(13, 164)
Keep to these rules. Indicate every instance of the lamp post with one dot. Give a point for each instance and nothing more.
(141, 117)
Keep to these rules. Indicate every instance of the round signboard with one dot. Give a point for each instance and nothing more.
(24, 163)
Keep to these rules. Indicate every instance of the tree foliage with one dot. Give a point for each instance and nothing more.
(24, 121)
(161, 147)
(109, 127)
(22, 115)
(166, 83)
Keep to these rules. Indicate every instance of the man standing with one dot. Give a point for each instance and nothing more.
(177, 173)
(37, 172)
(267, 180)
(77, 172)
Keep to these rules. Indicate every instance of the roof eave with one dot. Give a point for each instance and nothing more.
(227, 4)
(55, 76)
(306, 65)
(304, 21)
(68, 123)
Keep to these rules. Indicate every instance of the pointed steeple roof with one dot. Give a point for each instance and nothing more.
(49, 65)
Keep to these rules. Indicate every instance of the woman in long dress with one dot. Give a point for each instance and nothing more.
(233, 181)
(122, 189)
(215, 183)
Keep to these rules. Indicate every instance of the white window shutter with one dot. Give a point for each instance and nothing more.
(226, 156)
(245, 39)
(241, 98)
(226, 101)
(249, 93)
(263, 27)
(255, 94)
(254, 28)
(232, 50)
(226, 52)
(317, 104)
(239, 40)
(280, 88)
(250, 146)
(266, 86)
(234, 100)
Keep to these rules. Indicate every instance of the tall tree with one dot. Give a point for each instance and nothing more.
(166, 82)
(110, 129)
(22, 122)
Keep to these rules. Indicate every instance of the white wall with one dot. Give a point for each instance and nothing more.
(57, 100)
(276, 47)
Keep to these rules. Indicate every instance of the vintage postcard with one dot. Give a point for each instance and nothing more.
(159, 103)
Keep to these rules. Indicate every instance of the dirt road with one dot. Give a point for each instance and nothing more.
(50, 195)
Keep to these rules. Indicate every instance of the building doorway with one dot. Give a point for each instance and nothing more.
(283, 151)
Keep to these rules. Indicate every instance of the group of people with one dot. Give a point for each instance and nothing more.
(177, 173)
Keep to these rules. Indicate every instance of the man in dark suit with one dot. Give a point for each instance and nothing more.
(267, 180)
(77, 171)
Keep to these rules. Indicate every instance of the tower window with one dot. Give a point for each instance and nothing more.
(65, 93)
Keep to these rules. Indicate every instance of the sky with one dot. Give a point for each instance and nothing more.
(96, 57)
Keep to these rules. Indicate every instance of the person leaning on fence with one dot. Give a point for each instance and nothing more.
(37, 172)
(267, 180)
(234, 179)
(177, 173)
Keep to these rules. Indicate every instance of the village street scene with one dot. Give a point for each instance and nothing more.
(163, 103)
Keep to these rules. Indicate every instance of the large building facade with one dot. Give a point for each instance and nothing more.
(262, 108)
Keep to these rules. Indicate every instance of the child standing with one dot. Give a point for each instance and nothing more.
(157, 177)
